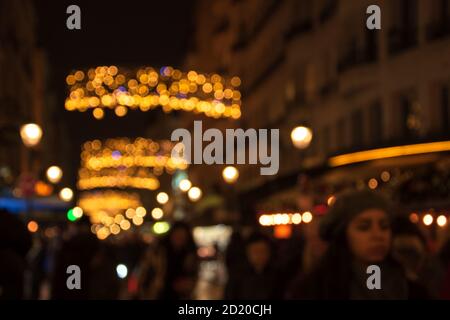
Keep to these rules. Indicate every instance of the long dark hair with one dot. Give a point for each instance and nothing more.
(331, 277)
(190, 244)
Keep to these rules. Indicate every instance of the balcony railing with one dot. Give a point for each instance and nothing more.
(437, 30)
(354, 58)
(299, 28)
(402, 39)
(328, 11)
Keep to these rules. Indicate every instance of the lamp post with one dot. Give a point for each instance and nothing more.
(31, 135)
(54, 174)
(301, 137)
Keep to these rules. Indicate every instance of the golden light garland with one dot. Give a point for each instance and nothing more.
(108, 87)
(121, 163)
(110, 212)
(122, 152)
(139, 178)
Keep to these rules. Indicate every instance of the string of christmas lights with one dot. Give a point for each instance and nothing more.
(145, 89)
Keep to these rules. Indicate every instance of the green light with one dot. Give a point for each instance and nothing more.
(161, 227)
(70, 215)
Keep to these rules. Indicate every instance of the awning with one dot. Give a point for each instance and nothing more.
(17, 205)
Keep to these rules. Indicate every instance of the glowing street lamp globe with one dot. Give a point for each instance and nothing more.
(66, 194)
(54, 174)
(195, 194)
(301, 137)
(230, 174)
(31, 134)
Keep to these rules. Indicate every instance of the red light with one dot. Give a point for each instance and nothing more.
(283, 231)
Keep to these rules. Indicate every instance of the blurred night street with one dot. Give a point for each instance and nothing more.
(225, 150)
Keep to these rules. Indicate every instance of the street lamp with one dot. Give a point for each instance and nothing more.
(301, 137)
(157, 213)
(185, 185)
(66, 194)
(54, 174)
(162, 198)
(31, 134)
(194, 194)
(230, 174)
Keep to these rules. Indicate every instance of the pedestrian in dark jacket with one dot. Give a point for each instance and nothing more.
(358, 230)
(410, 249)
(15, 241)
(78, 249)
(258, 279)
(169, 271)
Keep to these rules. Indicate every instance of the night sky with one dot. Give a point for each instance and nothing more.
(124, 33)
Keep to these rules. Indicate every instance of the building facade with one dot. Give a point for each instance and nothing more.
(315, 62)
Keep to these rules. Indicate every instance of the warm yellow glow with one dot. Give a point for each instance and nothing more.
(235, 81)
(385, 176)
(307, 217)
(66, 194)
(54, 174)
(157, 213)
(441, 221)
(301, 137)
(195, 194)
(331, 200)
(114, 229)
(265, 220)
(230, 174)
(118, 218)
(373, 183)
(414, 217)
(79, 75)
(32, 226)
(43, 189)
(109, 87)
(125, 224)
(162, 198)
(120, 111)
(108, 207)
(130, 213)
(185, 185)
(98, 113)
(141, 212)
(31, 134)
(70, 80)
(77, 212)
(137, 221)
(296, 218)
(428, 219)
(390, 152)
(105, 181)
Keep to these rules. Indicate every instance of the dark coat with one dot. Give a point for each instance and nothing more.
(15, 241)
(250, 285)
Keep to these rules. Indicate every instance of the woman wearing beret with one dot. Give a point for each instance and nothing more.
(358, 230)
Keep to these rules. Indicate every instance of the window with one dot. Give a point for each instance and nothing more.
(439, 24)
(358, 50)
(410, 116)
(357, 129)
(326, 140)
(340, 133)
(445, 109)
(328, 9)
(404, 21)
(303, 17)
(376, 123)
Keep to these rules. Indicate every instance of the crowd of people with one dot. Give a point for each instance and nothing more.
(328, 259)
